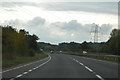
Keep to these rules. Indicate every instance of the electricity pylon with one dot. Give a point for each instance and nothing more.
(95, 30)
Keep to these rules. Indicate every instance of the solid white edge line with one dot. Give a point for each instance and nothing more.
(22, 66)
(33, 68)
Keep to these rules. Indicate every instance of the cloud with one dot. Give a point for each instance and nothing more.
(95, 7)
(106, 28)
(36, 21)
(58, 31)
(72, 25)
(14, 4)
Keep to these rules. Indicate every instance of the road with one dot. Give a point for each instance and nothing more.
(64, 66)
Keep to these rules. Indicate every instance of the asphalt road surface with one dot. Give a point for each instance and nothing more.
(64, 66)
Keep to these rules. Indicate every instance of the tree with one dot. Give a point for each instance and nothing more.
(113, 45)
(18, 43)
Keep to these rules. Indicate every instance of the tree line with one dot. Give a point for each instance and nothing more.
(18, 43)
(112, 46)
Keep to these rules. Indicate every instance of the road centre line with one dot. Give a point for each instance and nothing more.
(89, 69)
(19, 76)
(25, 72)
(98, 76)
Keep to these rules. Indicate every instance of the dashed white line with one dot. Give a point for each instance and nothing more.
(12, 79)
(29, 70)
(25, 72)
(88, 69)
(73, 59)
(18, 76)
(81, 63)
(99, 77)
(37, 67)
(76, 60)
(34, 68)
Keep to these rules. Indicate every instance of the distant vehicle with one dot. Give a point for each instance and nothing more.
(41, 49)
(60, 51)
(84, 52)
(51, 52)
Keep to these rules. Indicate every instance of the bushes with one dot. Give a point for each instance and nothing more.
(18, 43)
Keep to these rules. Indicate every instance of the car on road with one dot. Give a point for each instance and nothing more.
(84, 52)
(51, 52)
(60, 51)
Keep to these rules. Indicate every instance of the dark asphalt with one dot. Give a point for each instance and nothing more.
(63, 66)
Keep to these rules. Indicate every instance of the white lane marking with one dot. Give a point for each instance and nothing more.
(22, 66)
(89, 69)
(76, 60)
(12, 79)
(81, 63)
(19, 76)
(33, 68)
(29, 70)
(25, 72)
(99, 77)
(37, 67)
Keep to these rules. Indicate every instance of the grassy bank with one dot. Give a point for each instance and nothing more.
(20, 60)
(107, 58)
(100, 57)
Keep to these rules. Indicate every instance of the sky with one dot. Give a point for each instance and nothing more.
(65, 21)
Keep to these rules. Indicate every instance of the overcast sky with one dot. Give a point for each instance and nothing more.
(56, 22)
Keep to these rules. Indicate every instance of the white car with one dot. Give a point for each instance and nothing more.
(84, 52)
(60, 51)
(51, 52)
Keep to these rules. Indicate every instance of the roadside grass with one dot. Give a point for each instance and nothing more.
(99, 57)
(20, 60)
(107, 58)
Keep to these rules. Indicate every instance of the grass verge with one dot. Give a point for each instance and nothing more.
(107, 58)
(20, 60)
